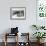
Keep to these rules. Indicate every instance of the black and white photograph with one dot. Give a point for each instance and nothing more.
(18, 13)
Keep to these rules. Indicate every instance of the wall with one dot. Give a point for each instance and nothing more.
(24, 25)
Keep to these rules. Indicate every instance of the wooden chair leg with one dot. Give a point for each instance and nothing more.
(17, 40)
(5, 43)
(5, 39)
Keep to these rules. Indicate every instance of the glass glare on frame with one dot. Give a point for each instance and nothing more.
(41, 8)
(45, 14)
(41, 14)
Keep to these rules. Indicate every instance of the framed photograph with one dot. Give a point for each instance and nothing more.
(17, 13)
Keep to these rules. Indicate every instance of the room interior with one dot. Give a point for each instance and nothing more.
(22, 22)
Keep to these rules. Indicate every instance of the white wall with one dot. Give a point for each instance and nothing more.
(24, 25)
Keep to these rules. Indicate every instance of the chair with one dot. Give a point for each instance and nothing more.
(26, 41)
(7, 35)
(14, 32)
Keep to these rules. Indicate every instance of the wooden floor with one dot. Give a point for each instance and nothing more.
(13, 44)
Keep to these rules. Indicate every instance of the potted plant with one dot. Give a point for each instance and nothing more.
(39, 35)
(38, 27)
(35, 26)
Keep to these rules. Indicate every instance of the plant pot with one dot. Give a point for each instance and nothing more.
(40, 40)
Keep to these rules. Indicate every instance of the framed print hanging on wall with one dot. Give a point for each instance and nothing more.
(17, 13)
